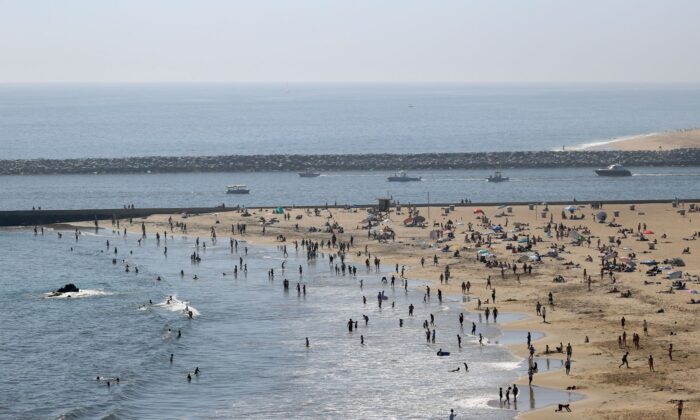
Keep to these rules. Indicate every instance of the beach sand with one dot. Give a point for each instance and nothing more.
(611, 392)
(679, 139)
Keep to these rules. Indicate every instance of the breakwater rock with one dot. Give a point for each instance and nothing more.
(364, 162)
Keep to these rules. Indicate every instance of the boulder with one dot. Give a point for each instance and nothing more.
(68, 288)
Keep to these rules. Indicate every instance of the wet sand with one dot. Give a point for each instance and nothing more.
(611, 392)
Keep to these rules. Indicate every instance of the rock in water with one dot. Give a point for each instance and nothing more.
(68, 288)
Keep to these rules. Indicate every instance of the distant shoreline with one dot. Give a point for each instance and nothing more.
(667, 140)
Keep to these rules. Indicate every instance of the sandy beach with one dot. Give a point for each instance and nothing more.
(577, 312)
(669, 140)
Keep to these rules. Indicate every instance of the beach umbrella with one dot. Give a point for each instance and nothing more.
(601, 216)
(419, 219)
(648, 232)
(478, 210)
(408, 221)
(570, 208)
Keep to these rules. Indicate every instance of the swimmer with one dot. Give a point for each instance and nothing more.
(171, 357)
(189, 378)
(196, 370)
(455, 370)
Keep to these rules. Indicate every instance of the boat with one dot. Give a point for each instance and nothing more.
(309, 174)
(497, 177)
(401, 176)
(237, 189)
(613, 170)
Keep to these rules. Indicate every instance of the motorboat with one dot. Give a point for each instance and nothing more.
(309, 174)
(401, 176)
(237, 189)
(497, 177)
(614, 170)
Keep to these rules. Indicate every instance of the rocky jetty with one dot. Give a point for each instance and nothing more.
(365, 162)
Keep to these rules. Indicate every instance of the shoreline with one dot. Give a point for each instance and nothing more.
(655, 141)
(609, 392)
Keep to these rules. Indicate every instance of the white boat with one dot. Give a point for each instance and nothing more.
(613, 170)
(237, 189)
(497, 177)
(401, 176)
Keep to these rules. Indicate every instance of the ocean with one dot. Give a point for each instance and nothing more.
(247, 337)
(75, 121)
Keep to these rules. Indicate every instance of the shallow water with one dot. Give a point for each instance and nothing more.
(247, 337)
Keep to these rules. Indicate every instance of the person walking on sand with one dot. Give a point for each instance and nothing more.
(651, 363)
(670, 352)
(624, 360)
(544, 314)
(679, 406)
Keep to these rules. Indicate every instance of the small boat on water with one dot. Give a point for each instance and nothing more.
(309, 174)
(401, 176)
(497, 177)
(237, 189)
(614, 170)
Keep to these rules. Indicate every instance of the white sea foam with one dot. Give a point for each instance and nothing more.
(83, 293)
(599, 143)
(481, 401)
(177, 305)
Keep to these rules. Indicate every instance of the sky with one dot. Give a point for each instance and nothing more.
(353, 41)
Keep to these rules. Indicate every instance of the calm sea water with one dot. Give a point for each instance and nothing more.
(72, 121)
(247, 338)
(275, 189)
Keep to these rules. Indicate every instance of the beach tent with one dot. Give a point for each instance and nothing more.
(677, 262)
(419, 219)
(478, 210)
(601, 216)
(674, 275)
(576, 236)
(649, 262)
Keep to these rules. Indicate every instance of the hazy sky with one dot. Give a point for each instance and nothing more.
(349, 41)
